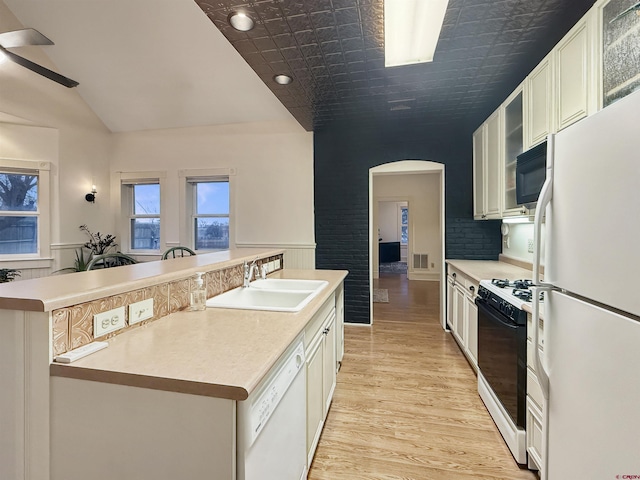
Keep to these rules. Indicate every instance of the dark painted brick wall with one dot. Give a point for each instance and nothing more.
(343, 155)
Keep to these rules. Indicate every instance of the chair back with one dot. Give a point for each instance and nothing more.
(174, 252)
(110, 260)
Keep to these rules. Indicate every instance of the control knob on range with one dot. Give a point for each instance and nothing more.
(508, 309)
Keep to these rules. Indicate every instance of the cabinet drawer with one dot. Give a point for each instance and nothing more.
(466, 283)
(534, 433)
(470, 287)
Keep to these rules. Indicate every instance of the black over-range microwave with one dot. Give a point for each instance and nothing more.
(531, 170)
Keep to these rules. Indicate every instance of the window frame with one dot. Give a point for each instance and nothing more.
(188, 179)
(127, 181)
(42, 213)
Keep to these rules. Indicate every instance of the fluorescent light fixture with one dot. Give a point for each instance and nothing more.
(411, 30)
(518, 220)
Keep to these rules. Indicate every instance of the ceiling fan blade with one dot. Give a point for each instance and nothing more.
(22, 38)
(39, 69)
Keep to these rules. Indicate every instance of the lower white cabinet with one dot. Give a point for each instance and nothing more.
(321, 361)
(535, 400)
(462, 313)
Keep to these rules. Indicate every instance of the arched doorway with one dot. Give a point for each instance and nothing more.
(420, 184)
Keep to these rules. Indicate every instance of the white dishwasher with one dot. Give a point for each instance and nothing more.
(272, 423)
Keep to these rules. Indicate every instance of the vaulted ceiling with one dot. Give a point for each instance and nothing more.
(148, 64)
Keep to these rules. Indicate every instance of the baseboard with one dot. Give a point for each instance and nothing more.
(424, 276)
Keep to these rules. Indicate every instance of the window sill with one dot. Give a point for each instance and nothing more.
(26, 263)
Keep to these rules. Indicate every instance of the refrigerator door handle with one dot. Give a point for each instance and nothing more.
(543, 200)
(541, 372)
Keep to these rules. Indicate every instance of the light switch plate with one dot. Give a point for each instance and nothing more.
(530, 245)
(140, 311)
(107, 322)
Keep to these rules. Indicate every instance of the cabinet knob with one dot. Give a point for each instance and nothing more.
(484, 216)
(523, 211)
(472, 288)
(454, 275)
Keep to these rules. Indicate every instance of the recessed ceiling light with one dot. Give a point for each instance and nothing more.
(411, 30)
(283, 79)
(241, 21)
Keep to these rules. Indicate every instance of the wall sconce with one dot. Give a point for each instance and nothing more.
(91, 196)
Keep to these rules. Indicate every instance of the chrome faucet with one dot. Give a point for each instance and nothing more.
(249, 272)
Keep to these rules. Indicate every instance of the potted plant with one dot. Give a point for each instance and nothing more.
(8, 274)
(97, 245)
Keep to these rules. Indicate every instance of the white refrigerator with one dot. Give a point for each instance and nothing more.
(590, 366)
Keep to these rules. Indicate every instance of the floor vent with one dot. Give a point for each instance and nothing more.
(420, 261)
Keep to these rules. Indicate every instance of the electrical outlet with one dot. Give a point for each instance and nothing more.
(107, 322)
(530, 245)
(140, 311)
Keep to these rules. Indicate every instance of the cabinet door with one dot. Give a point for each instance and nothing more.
(339, 325)
(494, 149)
(513, 145)
(472, 331)
(315, 397)
(479, 142)
(572, 73)
(538, 103)
(329, 361)
(450, 302)
(460, 319)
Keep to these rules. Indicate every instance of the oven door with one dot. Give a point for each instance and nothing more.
(502, 359)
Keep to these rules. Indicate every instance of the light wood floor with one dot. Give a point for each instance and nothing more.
(406, 404)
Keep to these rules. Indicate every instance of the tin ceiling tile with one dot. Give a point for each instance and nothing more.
(334, 49)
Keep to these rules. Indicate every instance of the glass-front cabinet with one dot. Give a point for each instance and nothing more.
(513, 146)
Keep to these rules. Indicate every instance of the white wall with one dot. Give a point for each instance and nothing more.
(422, 191)
(518, 242)
(388, 221)
(274, 163)
(41, 120)
(273, 177)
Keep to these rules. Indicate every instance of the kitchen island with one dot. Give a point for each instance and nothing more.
(45, 317)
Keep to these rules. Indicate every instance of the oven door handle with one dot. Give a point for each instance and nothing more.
(494, 314)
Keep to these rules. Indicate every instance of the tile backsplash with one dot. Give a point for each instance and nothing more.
(73, 326)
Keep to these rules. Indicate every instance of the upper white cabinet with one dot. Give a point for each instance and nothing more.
(572, 85)
(561, 90)
(495, 142)
(479, 173)
(513, 146)
(487, 160)
(537, 103)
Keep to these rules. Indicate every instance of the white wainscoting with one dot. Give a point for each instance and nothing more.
(24, 396)
(296, 256)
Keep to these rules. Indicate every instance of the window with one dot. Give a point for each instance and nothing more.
(24, 214)
(210, 218)
(141, 224)
(144, 222)
(404, 225)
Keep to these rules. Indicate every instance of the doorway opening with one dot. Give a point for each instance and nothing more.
(406, 230)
